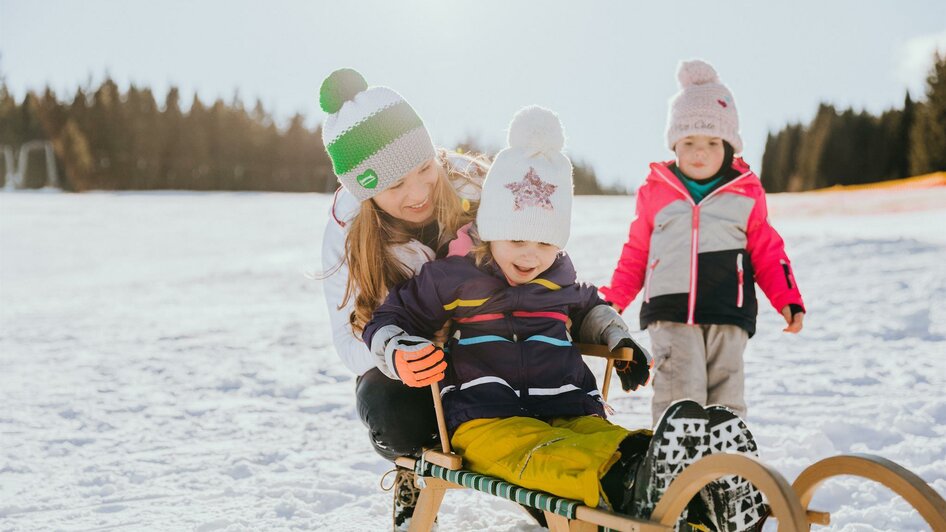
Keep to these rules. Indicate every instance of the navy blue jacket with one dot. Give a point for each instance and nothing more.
(510, 353)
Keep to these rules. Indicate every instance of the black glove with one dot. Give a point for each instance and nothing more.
(633, 373)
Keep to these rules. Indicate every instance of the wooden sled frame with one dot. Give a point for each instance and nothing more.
(788, 504)
(783, 502)
(918, 494)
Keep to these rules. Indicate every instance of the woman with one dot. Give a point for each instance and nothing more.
(401, 201)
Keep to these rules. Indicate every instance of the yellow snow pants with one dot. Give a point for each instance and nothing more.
(565, 457)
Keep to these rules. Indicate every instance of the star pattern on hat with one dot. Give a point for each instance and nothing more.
(532, 191)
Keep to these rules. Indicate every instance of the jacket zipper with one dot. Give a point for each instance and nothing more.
(650, 274)
(524, 391)
(739, 279)
(694, 251)
(695, 237)
(788, 273)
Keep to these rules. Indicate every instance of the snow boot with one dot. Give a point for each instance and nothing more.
(680, 438)
(406, 494)
(733, 504)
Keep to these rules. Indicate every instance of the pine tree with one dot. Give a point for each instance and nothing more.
(106, 135)
(145, 130)
(770, 176)
(31, 129)
(928, 136)
(170, 131)
(320, 163)
(901, 157)
(73, 150)
(8, 137)
(815, 149)
(194, 149)
(787, 160)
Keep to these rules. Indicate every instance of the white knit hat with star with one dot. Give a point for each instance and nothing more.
(527, 194)
(704, 106)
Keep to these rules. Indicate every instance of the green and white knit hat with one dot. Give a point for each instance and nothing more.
(373, 135)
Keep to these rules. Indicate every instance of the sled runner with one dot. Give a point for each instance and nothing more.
(898, 479)
(438, 471)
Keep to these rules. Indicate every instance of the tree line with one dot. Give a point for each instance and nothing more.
(844, 147)
(107, 139)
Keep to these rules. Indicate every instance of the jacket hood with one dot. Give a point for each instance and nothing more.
(344, 207)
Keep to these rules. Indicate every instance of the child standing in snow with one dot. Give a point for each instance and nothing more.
(518, 399)
(700, 241)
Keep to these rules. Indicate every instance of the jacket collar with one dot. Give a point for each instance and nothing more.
(560, 273)
(660, 172)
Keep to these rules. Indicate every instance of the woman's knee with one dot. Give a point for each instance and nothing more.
(400, 419)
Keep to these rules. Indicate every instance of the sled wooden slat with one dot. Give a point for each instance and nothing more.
(623, 353)
(446, 461)
(614, 521)
(900, 480)
(818, 518)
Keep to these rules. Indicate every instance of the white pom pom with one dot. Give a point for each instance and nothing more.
(696, 72)
(537, 130)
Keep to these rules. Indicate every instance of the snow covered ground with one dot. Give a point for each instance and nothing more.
(164, 363)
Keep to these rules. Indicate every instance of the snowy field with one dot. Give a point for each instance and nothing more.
(164, 362)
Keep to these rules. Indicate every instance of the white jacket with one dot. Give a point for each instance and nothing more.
(353, 352)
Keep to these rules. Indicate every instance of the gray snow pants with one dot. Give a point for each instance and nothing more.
(700, 362)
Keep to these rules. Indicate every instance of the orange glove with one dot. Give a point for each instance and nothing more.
(418, 362)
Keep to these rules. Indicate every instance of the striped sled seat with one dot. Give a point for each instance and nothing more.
(440, 470)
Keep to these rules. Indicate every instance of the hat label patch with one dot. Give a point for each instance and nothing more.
(368, 179)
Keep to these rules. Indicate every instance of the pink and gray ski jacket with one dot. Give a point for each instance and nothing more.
(698, 263)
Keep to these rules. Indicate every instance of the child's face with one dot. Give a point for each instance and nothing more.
(521, 260)
(411, 199)
(699, 156)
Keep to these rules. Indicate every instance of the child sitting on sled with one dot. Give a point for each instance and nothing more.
(519, 401)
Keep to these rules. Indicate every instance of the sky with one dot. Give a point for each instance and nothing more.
(608, 68)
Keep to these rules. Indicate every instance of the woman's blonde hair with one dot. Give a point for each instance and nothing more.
(373, 267)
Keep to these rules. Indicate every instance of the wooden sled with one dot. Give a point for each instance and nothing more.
(438, 471)
(898, 479)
